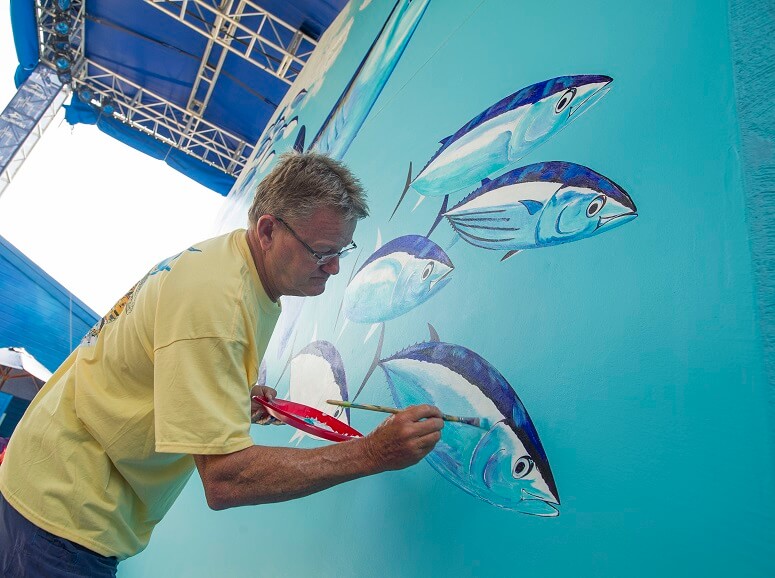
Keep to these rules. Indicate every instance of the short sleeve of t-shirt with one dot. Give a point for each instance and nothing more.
(201, 397)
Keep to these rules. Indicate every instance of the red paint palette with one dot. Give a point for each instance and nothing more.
(309, 420)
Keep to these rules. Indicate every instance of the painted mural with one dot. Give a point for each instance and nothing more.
(487, 201)
(507, 149)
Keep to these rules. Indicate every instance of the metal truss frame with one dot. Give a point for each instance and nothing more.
(47, 33)
(239, 27)
(169, 123)
(244, 28)
(27, 139)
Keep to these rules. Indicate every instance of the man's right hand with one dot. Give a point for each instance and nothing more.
(262, 475)
(405, 438)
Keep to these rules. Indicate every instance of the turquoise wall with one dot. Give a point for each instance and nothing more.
(636, 351)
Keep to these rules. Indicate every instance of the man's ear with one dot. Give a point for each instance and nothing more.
(265, 229)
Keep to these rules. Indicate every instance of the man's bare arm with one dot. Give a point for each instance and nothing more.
(260, 474)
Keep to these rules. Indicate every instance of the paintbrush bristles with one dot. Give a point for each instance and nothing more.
(474, 421)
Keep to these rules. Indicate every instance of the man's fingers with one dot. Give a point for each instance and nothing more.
(257, 411)
(429, 441)
(263, 391)
(418, 412)
(427, 426)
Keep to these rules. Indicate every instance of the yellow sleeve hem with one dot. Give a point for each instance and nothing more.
(204, 449)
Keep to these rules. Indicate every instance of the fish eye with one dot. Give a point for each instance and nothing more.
(523, 467)
(427, 271)
(596, 205)
(565, 100)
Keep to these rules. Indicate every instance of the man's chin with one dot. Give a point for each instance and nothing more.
(310, 290)
(318, 288)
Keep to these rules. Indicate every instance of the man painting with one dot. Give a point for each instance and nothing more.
(161, 387)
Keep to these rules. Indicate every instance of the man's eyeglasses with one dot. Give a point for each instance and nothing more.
(322, 258)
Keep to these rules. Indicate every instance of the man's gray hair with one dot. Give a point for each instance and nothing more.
(301, 183)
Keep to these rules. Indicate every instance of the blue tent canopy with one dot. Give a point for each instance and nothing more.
(38, 314)
(220, 77)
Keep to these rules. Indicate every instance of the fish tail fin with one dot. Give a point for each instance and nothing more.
(298, 146)
(440, 216)
(510, 254)
(372, 329)
(374, 363)
(341, 331)
(403, 193)
(297, 437)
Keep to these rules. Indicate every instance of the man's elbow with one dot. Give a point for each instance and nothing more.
(219, 496)
(218, 486)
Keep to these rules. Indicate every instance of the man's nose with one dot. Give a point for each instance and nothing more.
(332, 267)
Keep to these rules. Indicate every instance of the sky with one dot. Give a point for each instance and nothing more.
(93, 213)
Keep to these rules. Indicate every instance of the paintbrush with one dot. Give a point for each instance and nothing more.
(474, 421)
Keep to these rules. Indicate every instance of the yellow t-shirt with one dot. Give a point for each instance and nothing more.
(105, 448)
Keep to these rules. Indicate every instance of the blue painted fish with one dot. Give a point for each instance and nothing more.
(505, 465)
(360, 94)
(318, 374)
(348, 115)
(505, 132)
(396, 278)
(541, 205)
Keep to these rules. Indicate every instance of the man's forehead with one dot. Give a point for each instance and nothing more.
(329, 226)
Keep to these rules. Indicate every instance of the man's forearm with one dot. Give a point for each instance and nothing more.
(260, 474)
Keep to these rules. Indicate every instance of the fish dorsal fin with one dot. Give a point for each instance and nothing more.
(486, 181)
(434, 335)
(445, 140)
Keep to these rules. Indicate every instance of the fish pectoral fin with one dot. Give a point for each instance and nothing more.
(510, 254)
(483, 458)
(532, 206)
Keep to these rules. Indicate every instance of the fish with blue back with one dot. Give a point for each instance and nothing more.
(505, 132)
(357, 99)
(348, 114)
(541, 205)
(505, 465)
(396, 278)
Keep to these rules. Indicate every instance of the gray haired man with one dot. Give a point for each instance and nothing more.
(161, 387)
